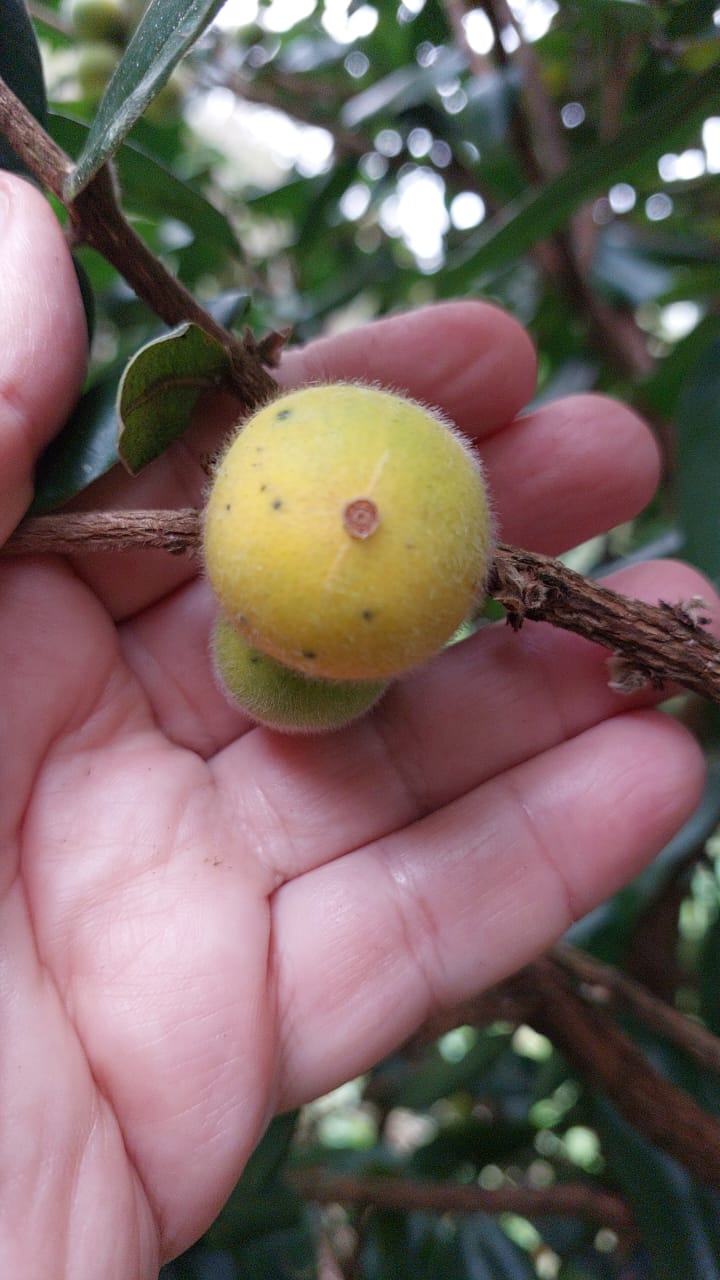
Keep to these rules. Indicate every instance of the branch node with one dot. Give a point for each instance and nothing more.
(627, 676)
(522, 594)
(691, 613)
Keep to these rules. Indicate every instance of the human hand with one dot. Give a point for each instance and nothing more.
(203, 922)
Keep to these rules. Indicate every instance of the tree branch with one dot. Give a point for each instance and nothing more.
(651, 644)
(34, 146)
(609, 988)
(72, 533)
(97, 220)
(609, 1060)
(542, 149)
(407, 1196)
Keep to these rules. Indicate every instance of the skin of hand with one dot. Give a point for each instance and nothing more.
(203, 923)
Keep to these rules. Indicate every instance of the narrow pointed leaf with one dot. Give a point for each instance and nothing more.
(166, 31)
(538, 215)
(663, 1198)
(697, 420)
(160, 388)
(84, 450)
(150, 189)
(21, 69)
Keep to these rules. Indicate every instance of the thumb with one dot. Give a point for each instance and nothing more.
(43, 339)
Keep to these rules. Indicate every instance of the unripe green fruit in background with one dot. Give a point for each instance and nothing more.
(99, 19)
(347, 532)
(165, 107)
(284, 699)
(95, 65)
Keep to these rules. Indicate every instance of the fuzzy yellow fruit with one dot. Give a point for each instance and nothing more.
(347, 532)
(283, 699)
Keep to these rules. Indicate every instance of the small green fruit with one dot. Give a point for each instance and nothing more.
(164, 108)
(280, 698)
(95, 65)
(348, 532)
(99, 19)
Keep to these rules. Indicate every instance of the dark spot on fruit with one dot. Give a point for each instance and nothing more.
(263, 487)
(409, 546)
(368, 615)
(282, 414)
(228, 506)
(309, 653)
(255, 657)
(277, 504)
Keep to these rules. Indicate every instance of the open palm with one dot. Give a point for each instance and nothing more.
(202, 922)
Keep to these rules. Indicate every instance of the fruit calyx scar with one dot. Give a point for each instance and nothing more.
(361, 518)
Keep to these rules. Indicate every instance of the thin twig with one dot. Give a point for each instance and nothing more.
(406, 1196)
(611, 1062)
(70, 533)
(97, 220)
(289, 92)
(542, 148)
(651, 644)
(34, 146)
(610, 988)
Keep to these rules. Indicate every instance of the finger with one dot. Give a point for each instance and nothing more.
(481, 707)
(366, 948)
(44, 339)
(484, 707)
(471, 360)
(570, 470)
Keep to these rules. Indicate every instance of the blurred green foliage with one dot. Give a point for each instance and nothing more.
(315, 164)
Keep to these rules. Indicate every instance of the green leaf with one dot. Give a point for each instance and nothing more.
(697, 419)
(663, 1198)
(21, 69)
(662, 389)
(166, 31)
(160, 388)
(87, 446)
(280, 1255)
(264, 1223)
(488, 1254)
(472, 1141)
(427, 1246)
(84, 450)
(627, 273)
(691, 19)
(402, 89)
(435, 1078)
(266, 1161)
(617, 16)
(607, 931)
(708, 971)
(537, 215)
(149, 189)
